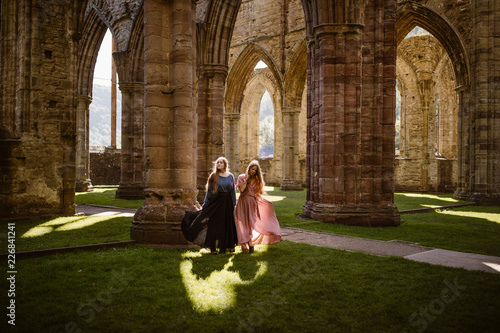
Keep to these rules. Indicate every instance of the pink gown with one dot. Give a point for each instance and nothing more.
(255, 217)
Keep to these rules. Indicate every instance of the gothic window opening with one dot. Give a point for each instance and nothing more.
(101, 115)
(266, 126)
(260, 64)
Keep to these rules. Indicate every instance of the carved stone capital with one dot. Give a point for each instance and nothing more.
(232, 116)
(290, 110)
(84, 99)
(211, 70)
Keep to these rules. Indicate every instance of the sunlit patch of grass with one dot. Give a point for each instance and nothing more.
(274, 198)
(49, 233)
(217, 291)
(64, 224)
(429, 196)
(492, 217)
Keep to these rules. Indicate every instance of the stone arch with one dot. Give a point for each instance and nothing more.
(241, 72)
(411, 14)
(237, 82)
(93, 33)
(214, 32)
(248, 130)
(130, 62)
(427, 160)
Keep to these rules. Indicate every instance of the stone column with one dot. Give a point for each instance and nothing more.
(463, 139)
(170, 128)
(426, 90)
(484, 128)
(291, 179)
(211, 85)
(231, 140)
(352, 131)
(83, 183)
(132, 151)
(312, 138)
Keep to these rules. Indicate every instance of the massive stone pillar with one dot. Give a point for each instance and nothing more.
(231, 139)
(291, 178)
(83, 182)
(484, 176)
(132, 151)
(170, 127)
(351, 117)
(211, 85)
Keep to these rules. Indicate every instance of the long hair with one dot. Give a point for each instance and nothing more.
(258, 176)
(213, 179)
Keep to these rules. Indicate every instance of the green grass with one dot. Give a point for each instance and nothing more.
(407, 201)
(286, 287)
(70, 231)
(467, 229)
(105, 196)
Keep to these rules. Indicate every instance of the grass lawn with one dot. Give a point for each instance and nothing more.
(286, 287)
(467, 229)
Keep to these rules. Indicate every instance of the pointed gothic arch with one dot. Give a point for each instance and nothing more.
(241, 72)
(409, 15)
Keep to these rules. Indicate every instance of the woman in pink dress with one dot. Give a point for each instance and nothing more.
(256, 221)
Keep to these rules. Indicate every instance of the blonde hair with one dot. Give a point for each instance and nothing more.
(213, 179)
(258, 176)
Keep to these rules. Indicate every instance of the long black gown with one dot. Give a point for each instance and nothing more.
(214, 226)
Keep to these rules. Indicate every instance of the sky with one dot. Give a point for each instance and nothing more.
(102, 70)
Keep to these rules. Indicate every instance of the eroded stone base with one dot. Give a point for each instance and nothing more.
(483, 199)
(362, 215)
(158, 221)
(84, 186)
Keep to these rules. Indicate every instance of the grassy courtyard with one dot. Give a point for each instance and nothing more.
(286, 287)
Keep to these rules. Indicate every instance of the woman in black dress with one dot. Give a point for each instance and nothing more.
(213, 226)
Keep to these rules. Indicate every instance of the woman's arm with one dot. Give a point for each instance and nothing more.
(242, 183)
(233, 192)
(208, 197)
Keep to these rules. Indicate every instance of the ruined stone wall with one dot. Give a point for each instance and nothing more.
(429, 116)
(262, 22)
(105, 167)
(38, 89)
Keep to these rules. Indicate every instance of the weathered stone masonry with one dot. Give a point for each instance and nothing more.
(194, 76)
